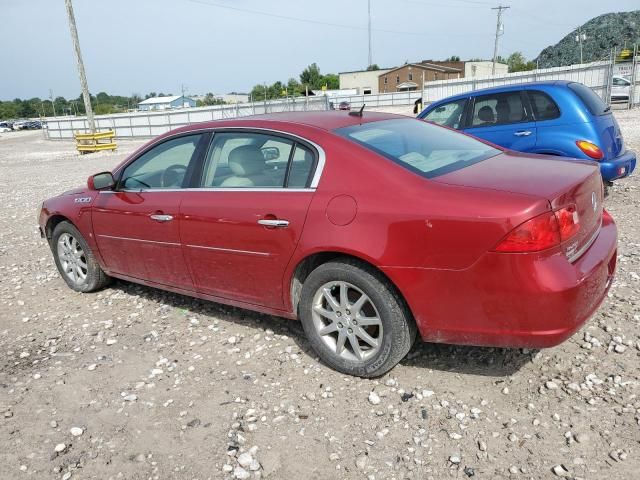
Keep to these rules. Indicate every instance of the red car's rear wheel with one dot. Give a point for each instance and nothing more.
(354, 319)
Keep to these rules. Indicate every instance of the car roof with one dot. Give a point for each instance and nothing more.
(324, 120)
(506, 88)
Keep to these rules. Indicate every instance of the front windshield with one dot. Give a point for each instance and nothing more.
(423, 148)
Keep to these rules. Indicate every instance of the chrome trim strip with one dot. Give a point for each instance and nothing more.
(231, 250)
(321, 155)
(214, 189)
(586, 246)
(139, 240)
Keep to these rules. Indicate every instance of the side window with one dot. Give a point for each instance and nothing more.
(449, 114)
(164, 166)
(498, 109)
(301, 167)
(544, 108)
(246, 160)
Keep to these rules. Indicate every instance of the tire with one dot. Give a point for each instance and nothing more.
(75, 261)
(381, 325)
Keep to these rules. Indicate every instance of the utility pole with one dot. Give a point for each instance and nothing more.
(499, 32)
(53, 105)
(369, 30)
(580, 38)
(83, 78)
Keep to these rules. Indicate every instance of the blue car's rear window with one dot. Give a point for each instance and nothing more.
(418, 146)
(590, 99)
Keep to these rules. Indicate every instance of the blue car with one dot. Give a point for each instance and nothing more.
(554, 118)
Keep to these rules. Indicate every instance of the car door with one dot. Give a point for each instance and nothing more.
(137, 225)
(240, 229)
(503, 119)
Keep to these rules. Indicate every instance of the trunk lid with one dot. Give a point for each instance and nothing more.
(561, 182)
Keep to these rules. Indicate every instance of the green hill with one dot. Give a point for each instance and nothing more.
(603, 33)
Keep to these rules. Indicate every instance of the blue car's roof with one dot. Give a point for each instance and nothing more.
(505, 88)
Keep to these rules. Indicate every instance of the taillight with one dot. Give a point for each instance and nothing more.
(568, 222)
(542, 232)
(590, 149)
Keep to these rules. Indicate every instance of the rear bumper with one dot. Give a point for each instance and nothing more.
(618, 167)
(511, 300)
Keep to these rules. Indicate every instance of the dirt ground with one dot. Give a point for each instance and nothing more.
(136, 383)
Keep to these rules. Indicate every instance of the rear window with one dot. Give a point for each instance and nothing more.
(590, 99)
(420, 147)
(544, 108)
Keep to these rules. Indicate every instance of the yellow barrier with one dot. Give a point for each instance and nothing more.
(95, 142)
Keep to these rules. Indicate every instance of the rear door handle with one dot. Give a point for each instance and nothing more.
(523, 133)
(158, 217)
(274, 223)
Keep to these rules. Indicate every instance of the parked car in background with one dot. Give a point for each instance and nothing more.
(368, 228)
(344, 106)
(558, 118)
(5, 127)
(620, 89)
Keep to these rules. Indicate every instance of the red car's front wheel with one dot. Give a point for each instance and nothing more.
(75, 261)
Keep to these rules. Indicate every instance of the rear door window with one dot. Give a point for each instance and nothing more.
(590, 99)
(448, 114)
(498, 109)
(544, 108)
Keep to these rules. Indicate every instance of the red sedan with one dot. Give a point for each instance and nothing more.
(369, 229)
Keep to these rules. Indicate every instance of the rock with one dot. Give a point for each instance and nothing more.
(76, 431)
(469, 472)
(92, 367)
(334, 457)
(245, 459)
(132, 397)
(232, 340)
(551, 385)
(374, 399)
(60, 447)
(455, 459)
(560, 470)
(361, 461)
(581, 437)
(619, 348)
(226, 468)
(254, 466)
(482, 445)
(241, 474)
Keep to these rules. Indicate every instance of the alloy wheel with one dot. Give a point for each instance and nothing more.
(347, 321)
(72, 259)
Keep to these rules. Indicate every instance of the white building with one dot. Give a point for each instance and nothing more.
(483, 69)
(365, 82)
(166, 103)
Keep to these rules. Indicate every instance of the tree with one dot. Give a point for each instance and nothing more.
(331, 80)
(373, 67)
(518, 63)
(311, 76)
(453, 58)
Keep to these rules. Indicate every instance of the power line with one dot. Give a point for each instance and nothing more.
(499, 32)
(329, 24)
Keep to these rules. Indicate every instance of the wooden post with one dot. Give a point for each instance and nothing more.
(83, 78)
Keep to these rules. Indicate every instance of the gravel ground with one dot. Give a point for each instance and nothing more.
(136, 383)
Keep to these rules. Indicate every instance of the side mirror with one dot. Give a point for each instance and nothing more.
(271, 153)
(101, 181)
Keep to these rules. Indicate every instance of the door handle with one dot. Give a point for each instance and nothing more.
(161, 217)
(523, 133)
(274, 223)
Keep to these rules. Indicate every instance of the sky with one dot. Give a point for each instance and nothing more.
(219, 46)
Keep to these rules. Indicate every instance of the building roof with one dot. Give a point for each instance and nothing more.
(365, 71)
(156, 100)
(426, 66)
